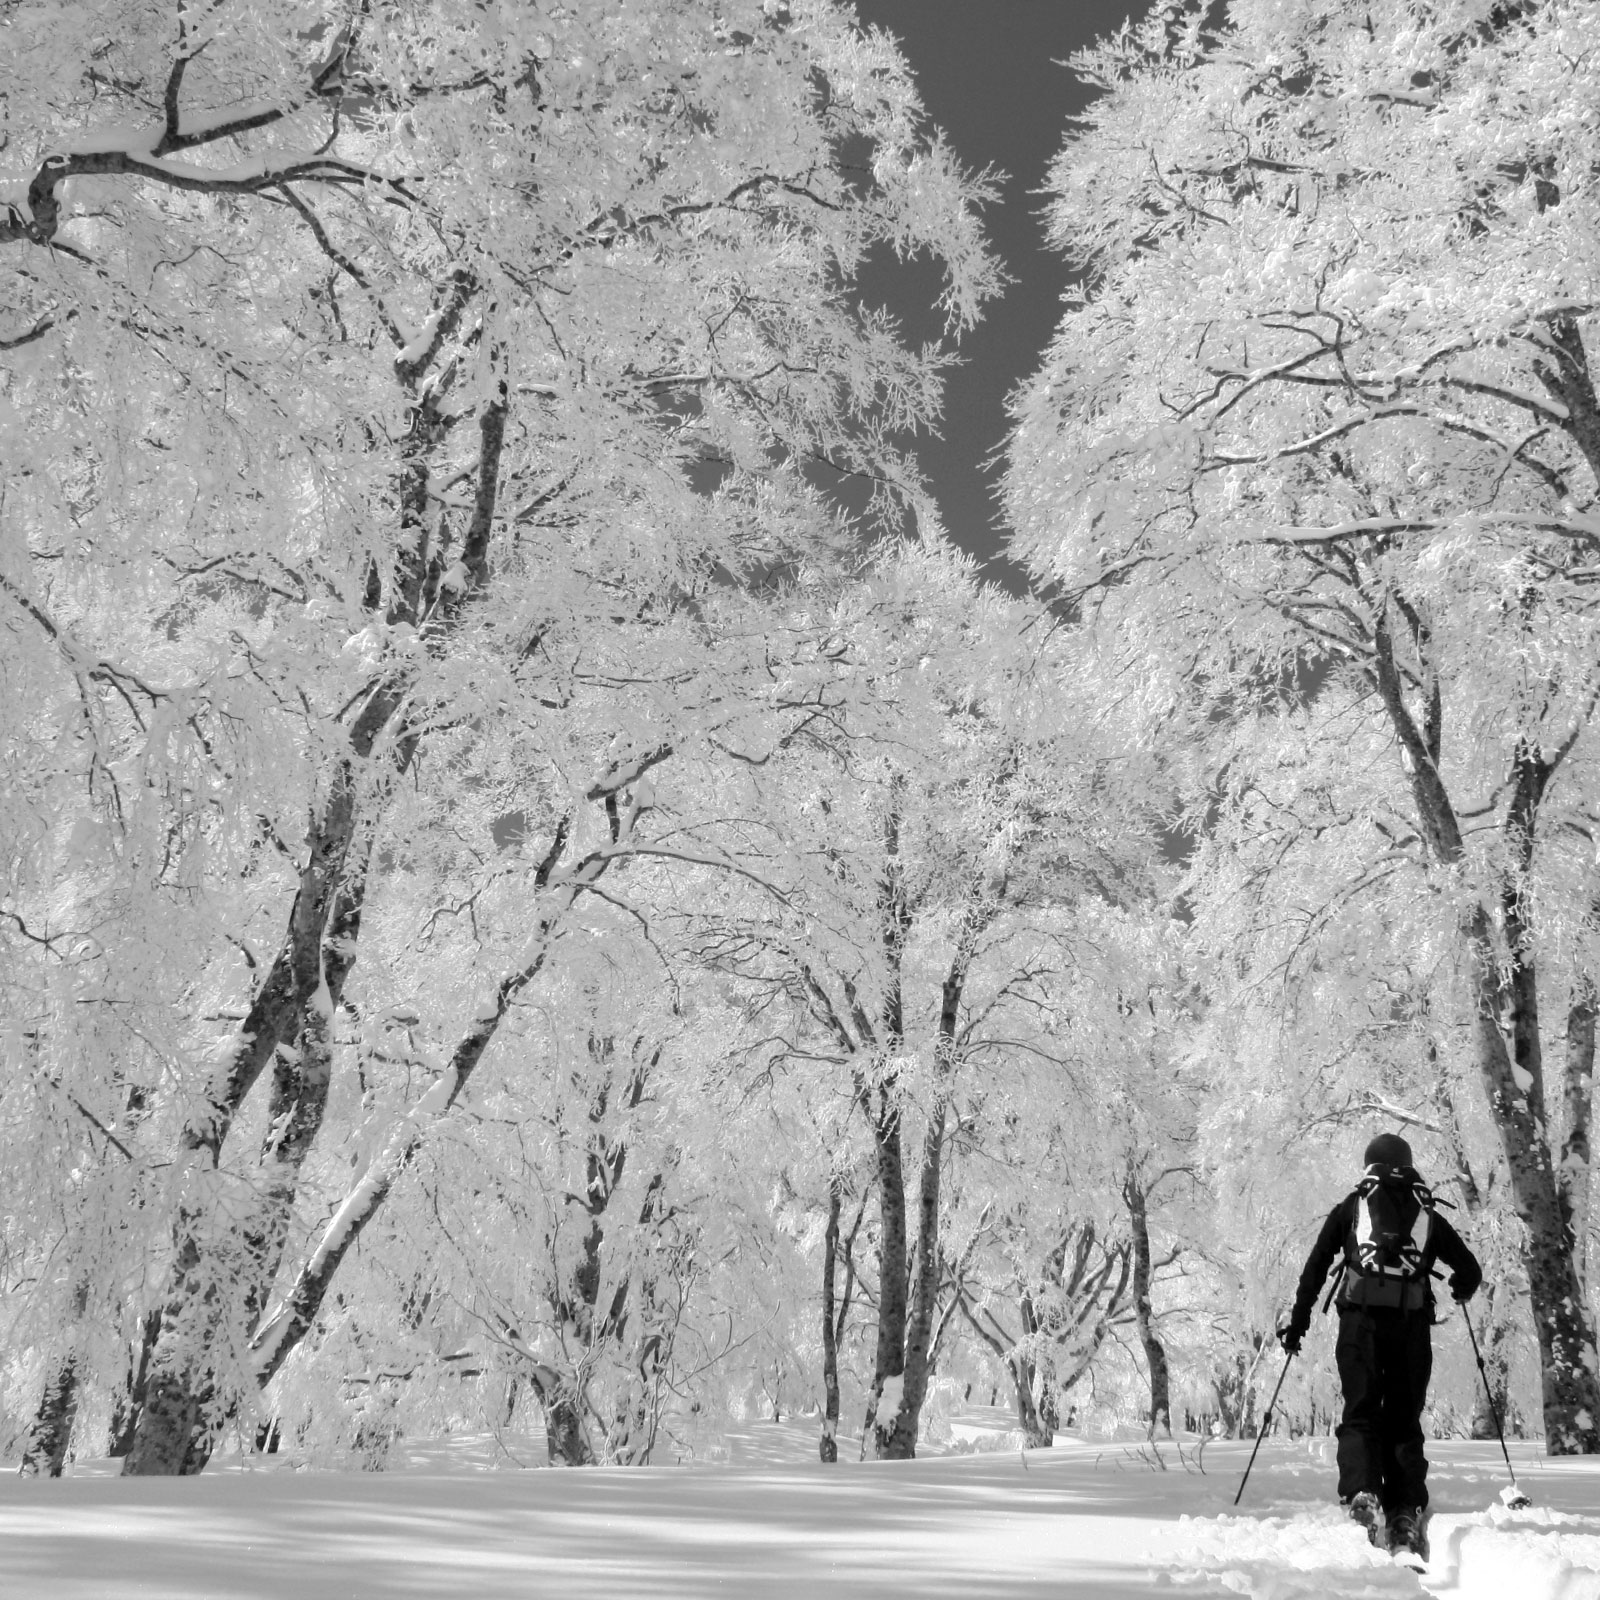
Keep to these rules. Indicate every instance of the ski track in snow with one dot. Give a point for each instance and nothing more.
(1535, 1554)
(1083, 1521)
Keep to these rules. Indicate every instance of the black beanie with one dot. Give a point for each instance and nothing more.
(1387, 1150)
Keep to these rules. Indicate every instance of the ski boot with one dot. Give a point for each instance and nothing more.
(1364, 1508)
(1408, 1536)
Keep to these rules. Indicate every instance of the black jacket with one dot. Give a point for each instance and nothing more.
(1444, 1244)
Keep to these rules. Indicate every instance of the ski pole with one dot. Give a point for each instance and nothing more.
(1518, 1498)
(1266, 1422)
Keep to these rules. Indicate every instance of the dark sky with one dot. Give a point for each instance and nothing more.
(988, 77)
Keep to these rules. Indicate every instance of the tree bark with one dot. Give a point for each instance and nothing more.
(835, 1309)
(828, 1443)
(1577, 1094)
(566, 1438)
(1155, 1352)
(889, 1353)
(896, 1438)
(1037, 1433)
(1049, 1400)
(175, 1424)
(129, 1403)
(888, 1367)
(50, 1433)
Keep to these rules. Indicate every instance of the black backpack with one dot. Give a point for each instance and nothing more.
(1387, 1251)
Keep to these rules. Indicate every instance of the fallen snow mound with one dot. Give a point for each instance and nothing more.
(1532, 1554)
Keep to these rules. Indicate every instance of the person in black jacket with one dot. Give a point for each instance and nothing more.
(1384, 1349)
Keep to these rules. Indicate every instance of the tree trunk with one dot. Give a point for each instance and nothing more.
(206, 1262)
(1567, 1347)
(1492, 1321)
(1049, 1401)
(301, 1079)
(828, 1444)
(50, 1433)
(175, 1427)
(1577, 1095)
(299, 1098)
(1025, 1376)
(889, 1357)
(889, 1354)
(125, 1412)
(1155, 1353)
(836, 1309)
(565, 1436)
(895, 1438)
(1034, 1432)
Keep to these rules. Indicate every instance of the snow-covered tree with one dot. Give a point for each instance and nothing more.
(940, 854)
(369, 368)
(1323, 427)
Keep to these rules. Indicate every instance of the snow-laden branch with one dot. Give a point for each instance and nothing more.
(1316, 441)
(1576, 525)
(245, 177)
(88, 666)
(1371, 1100)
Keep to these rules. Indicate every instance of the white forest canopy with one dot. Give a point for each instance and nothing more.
(1316, 454)
(518, 904)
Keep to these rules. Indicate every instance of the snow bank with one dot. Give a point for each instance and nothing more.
(1316, 1554)
(1534, 1555)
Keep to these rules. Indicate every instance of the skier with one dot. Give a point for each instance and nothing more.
(1386, 1236)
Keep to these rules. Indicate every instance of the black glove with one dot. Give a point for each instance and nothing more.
(1290, 1337)
(1459, 1294)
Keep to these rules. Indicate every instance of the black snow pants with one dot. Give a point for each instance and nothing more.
(1385, 1360)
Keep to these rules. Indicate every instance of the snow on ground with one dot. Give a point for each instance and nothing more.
(1085, 1520)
